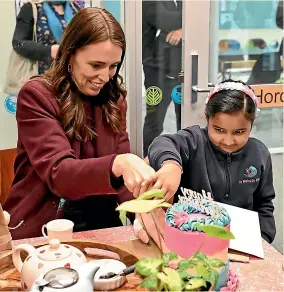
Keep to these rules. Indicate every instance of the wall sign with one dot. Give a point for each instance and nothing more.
(176, 94)
(154, 95)
(10, 103)
(269, 95)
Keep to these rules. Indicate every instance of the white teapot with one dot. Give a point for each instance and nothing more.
(67, 279)
(45, 258)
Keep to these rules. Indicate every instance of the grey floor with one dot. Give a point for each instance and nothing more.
(269, 129)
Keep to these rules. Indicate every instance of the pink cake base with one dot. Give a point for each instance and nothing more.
(186, 243)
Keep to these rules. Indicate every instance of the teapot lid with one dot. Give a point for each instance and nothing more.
(59, 278)
(54, 251)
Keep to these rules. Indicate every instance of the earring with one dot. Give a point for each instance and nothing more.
(69, 68)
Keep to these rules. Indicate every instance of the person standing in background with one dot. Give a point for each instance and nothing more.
(279, 21)
(52, 19)
(161, 58)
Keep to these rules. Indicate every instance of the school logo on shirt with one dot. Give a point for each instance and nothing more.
(250, 174)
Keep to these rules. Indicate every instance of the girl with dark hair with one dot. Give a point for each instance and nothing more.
(221, 159)
(73, 153)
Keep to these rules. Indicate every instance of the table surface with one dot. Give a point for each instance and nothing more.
(257, 275)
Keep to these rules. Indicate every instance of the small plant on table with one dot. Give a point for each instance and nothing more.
(170, 272)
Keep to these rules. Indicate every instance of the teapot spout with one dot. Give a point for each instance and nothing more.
(88, 271)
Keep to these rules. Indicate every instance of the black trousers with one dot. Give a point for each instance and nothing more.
(155, 115)
(93, 212)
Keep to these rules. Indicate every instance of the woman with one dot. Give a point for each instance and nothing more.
(73, 149)
(52, 19)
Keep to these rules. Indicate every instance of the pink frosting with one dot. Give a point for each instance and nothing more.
(181, 218)
(233, 282)
(186, 243)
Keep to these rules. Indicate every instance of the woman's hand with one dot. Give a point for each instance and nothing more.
(168, 179)
(54, 49)
(137, 175)
(151, 225)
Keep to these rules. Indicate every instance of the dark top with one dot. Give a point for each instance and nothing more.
(165, 16)
(51, 171)
(279, 21)
(242, 179)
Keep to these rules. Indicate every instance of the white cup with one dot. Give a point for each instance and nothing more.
(61, 229)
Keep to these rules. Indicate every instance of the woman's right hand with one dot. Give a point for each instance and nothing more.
(137, 174)
(54, 49)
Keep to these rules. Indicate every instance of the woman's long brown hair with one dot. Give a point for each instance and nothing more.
(90, 25)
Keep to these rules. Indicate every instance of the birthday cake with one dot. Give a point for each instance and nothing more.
(183, 237)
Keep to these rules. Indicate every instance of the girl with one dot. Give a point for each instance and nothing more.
(221, 159)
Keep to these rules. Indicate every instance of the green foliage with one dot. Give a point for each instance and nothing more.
(197, 273)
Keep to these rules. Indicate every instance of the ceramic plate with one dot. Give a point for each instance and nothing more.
(109, 265)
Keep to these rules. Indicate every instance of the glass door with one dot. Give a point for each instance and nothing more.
(228, 39)
(154, 55)
(238, 44)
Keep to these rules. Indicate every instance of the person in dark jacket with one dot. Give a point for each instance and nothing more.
(52, 19)
(279, 21)
(161, 54)
(221, 159)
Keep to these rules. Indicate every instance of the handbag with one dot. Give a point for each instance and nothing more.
(5, 236)
(21, 69)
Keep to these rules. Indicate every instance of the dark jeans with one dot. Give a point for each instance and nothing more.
(93, 212)
(155, 115)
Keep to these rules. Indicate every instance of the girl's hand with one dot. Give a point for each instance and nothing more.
(168, 179)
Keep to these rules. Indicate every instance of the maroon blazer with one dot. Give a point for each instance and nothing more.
(49, 167)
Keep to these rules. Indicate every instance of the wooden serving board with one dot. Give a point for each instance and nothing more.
(129, 252)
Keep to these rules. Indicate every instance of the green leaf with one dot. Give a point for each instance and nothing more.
(169, 256)
(164, 205)
(186, 264)
(213, 278)
(216, 231)
(216, 263)
(150, 283)
(172, 279)
(152, 194)
(122, 217)
(202, 271)
(199, 255)
(148, 266)
(139, 206)
(183, 274)
(195, 284)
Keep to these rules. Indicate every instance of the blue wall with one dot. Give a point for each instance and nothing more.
(113, 6)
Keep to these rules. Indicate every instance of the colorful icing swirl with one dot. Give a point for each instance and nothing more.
(178, 210)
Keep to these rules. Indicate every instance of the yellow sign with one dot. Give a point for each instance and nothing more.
(269, 95)
(154, 95)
